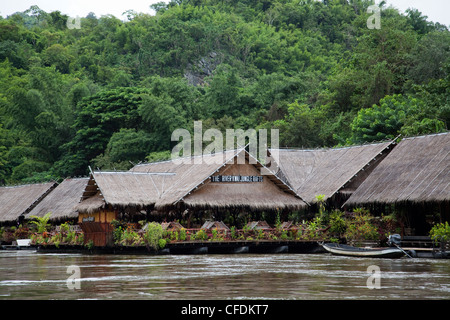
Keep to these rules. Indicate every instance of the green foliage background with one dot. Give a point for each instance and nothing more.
(110, 93)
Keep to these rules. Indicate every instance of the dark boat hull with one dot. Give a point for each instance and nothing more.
(349, 251)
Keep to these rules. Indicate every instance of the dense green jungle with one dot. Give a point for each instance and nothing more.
(110, 93)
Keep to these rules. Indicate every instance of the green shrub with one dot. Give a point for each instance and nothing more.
(337, 223)
(201, 235)
(312, 229)
(41, 222)
(440, 232)
(79, 239)
(233, 232)
(360, 227)
(64, 227)
(260, 234)
(90, 244)
(162, 243)
(130, 237)
(182, 234)
(70, 237)
(153, 234)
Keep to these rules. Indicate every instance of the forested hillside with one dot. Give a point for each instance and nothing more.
(112, 92)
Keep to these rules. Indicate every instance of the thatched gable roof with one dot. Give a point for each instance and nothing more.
(188, 175)
(120, 189)
(258, 225)
(165, 184)
(327, 171)
(19, 200)
(269, 194)
(61, 201)
(91, 204)
(172, 226)
(162, 182)
(417, 170)
(219, 225)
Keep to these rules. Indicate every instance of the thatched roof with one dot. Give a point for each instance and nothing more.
(417, 170)
(187, 175)
(19, 200)
(270, 194)
(61, 201)
(120, 189)
(258, 225)
(219, 225)
(91, 204)
(173, 225)
(326, 171)
(168, 183)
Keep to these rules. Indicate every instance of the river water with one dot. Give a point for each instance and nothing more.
(32, 275)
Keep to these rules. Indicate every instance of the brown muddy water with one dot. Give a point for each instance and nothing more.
(31, 275)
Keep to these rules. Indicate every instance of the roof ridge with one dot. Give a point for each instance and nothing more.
(209, 175)
(186, 157)
(243, 149)
(335, 148)
(29, 184)
(426, 135)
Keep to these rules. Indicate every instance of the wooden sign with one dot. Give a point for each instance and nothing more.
(88, 219)
(236, 179)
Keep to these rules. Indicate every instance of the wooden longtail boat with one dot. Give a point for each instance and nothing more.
(346, 250)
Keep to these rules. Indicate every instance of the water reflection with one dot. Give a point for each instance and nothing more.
(29, 275)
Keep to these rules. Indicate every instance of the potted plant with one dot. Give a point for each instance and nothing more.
(361, 231)
(440, 234)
